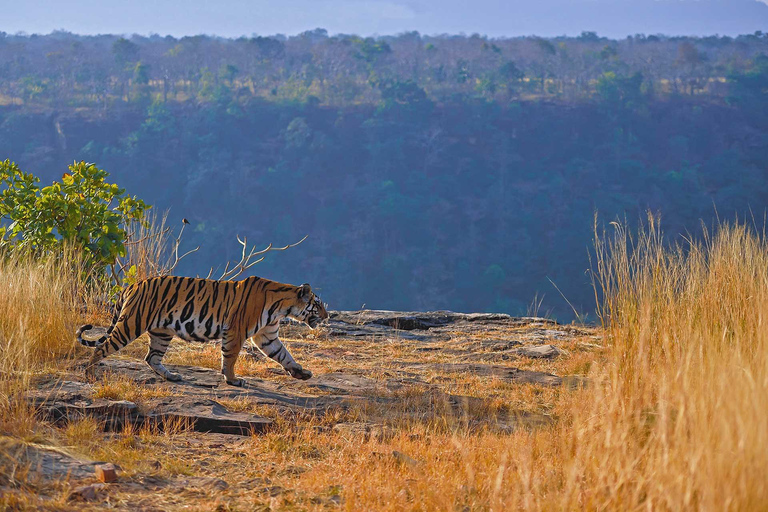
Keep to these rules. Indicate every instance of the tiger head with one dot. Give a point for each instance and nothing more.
(309, 309)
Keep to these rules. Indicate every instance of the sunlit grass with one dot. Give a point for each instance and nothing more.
(672, 417)
(682, 409)
(41, 305)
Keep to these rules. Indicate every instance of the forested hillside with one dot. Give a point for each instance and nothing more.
(429, 172)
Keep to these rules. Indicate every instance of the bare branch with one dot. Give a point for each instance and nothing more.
(148, 237)
(247, 258)
(153, 245)
(171, 265)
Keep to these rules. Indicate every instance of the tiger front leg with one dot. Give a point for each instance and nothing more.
(269, 343)
(158, 344)
(230, 349)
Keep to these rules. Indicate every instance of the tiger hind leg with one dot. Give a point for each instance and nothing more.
(118, 338)
(158, 344)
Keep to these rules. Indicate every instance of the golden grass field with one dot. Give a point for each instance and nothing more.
(673, 416)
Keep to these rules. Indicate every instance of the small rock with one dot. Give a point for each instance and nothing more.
(539, 352)
(364, 431)
(107, 473)
(255, 483)
(87, 492)
(331, 501)
(406, 459)
(215, 484)
(273, 490)
(292, 470)
(203, 482)
(153, 483)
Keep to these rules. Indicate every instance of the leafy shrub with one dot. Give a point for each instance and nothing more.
(82, 210)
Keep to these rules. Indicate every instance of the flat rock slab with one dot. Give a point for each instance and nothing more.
(42, 464)
(538, 352)
(419, 326)
(344, 383)
(205, 415)
(411, 320)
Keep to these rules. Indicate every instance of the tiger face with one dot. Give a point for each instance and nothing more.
(310, 309)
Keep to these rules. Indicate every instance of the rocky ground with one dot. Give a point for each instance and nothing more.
(378, 376)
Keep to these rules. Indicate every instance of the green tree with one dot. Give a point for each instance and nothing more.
(620, 91)
(141, 83)
(512, 77)
(81, 210)
(749, 90)
(372, 50)
(228, 72)
(125, 52)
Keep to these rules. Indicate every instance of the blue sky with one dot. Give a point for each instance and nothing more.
(495, 18)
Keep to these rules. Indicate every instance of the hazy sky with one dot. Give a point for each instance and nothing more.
(232, 18)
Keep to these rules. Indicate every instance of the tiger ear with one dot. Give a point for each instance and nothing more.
(305, 292)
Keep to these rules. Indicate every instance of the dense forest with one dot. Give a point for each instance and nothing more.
(452, 172)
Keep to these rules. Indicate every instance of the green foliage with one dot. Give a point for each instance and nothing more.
(125, 52)
(371, 50)
(545, 46)
(267, 47)
(590, 37)
(608, 52)
(228, 72)
(751, 86)
(406, 95)
(689, 55)
(620, 91)
(510, 71)
(141, 73)
(32, 88)
(81, 210)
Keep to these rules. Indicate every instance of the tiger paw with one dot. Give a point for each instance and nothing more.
(237, 382)
(300, 373)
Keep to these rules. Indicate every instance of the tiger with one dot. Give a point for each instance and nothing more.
(196, 309)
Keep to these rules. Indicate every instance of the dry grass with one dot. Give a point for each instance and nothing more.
(40, 308)
(120, 387)
(680, 421)
(673, 418)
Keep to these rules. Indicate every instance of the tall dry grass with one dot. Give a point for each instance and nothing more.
(679, 417)
(41, 305)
